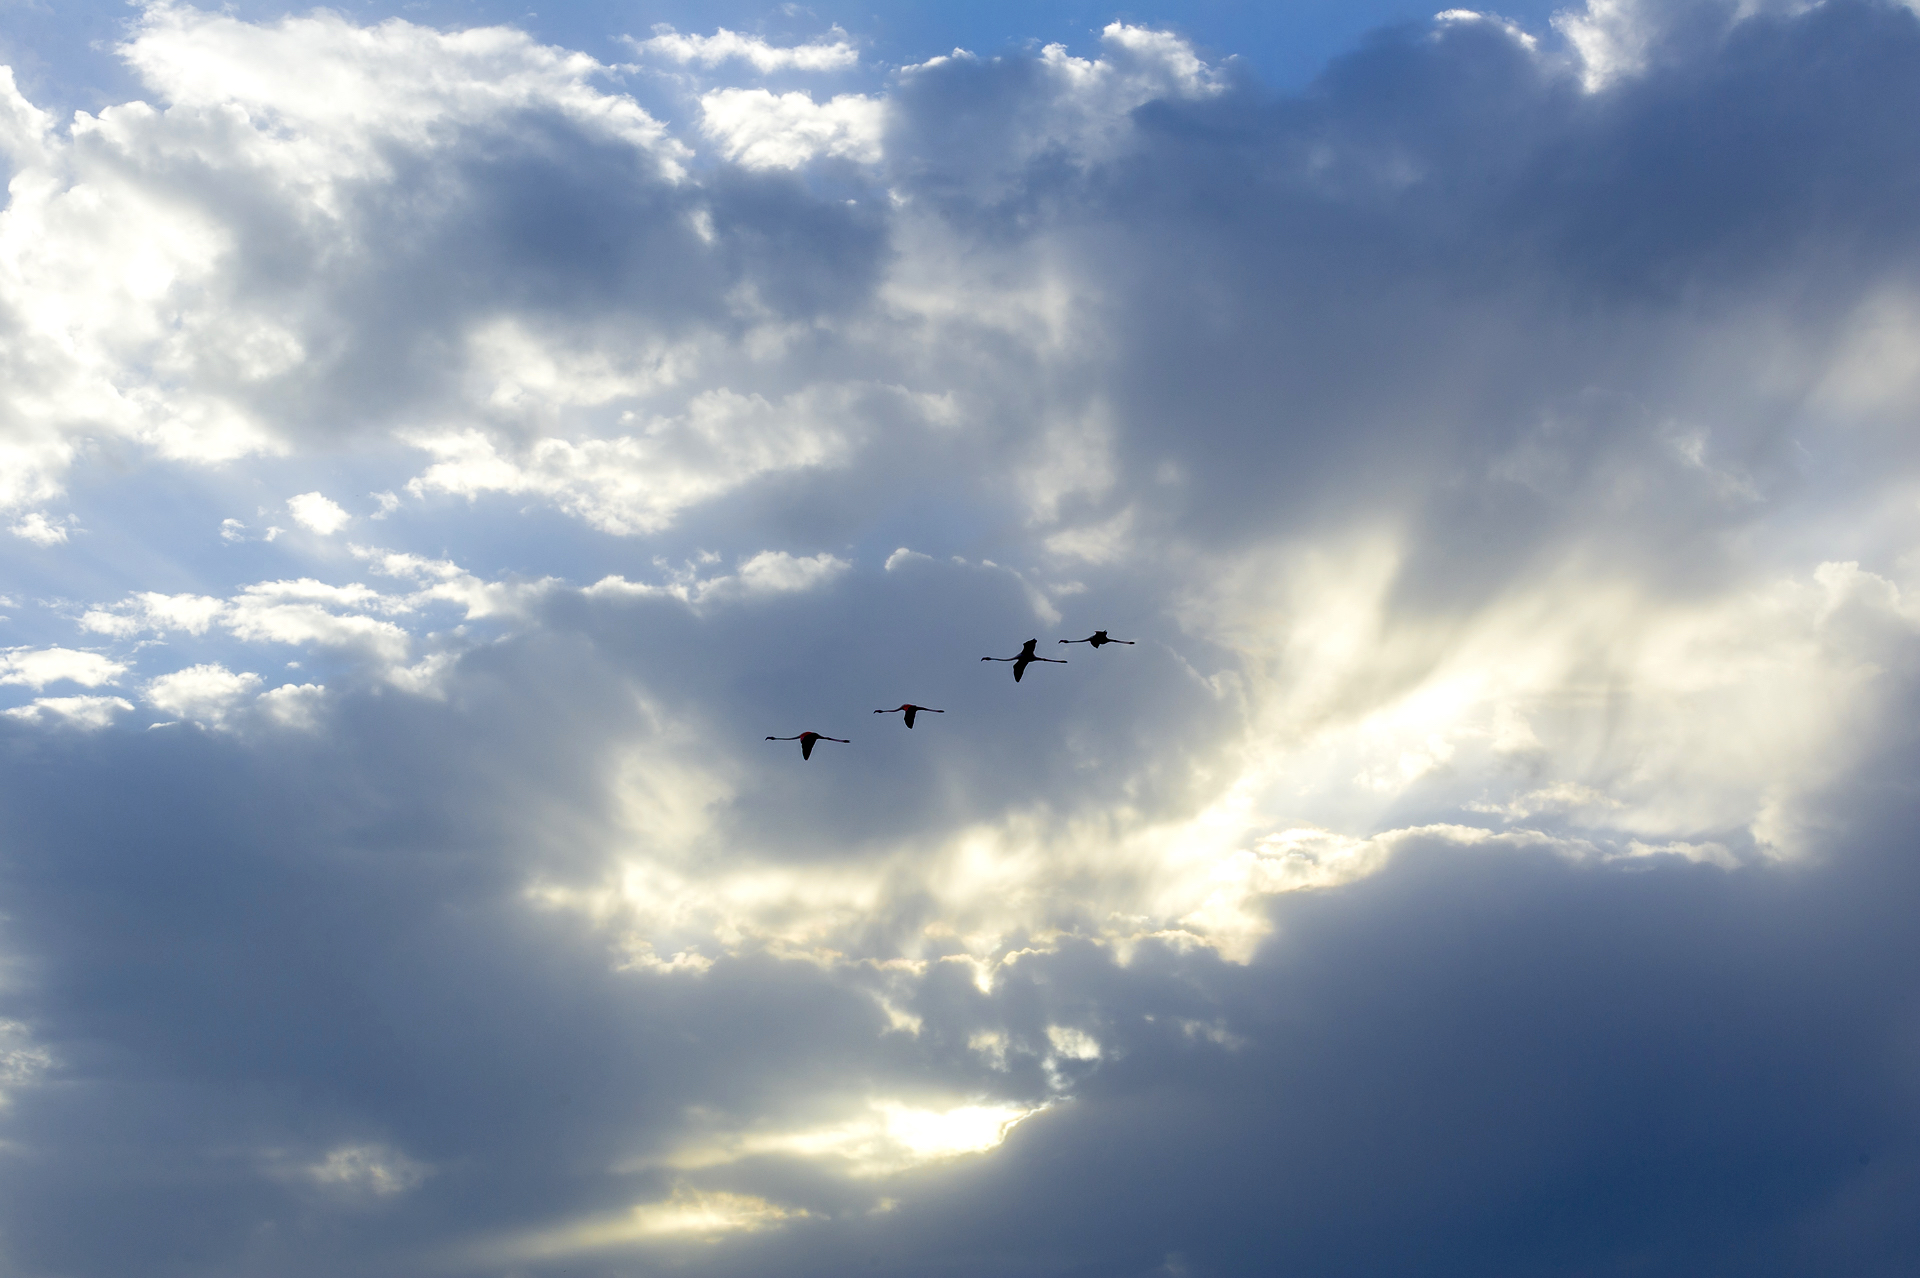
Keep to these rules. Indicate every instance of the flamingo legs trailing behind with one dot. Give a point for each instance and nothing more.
(1097, 638)
(1026, 658)
(806, 740)
(911, 710)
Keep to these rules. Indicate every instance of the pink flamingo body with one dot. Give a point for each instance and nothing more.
(1026, 658)
(910, 710)
(806, 740)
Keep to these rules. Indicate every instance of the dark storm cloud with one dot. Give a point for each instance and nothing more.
(1505, 1063)
(1447, 250)
(1512, 1065)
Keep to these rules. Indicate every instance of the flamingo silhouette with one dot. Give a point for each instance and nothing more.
(806, 740)
(911, 710)
(1026, 658)
(1097, 638)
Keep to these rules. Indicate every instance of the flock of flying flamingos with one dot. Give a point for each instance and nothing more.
(1026, 657)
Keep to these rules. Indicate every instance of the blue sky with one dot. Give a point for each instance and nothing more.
(439, 445)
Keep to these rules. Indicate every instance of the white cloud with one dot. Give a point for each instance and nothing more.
(149, 610)
(41, 531)
(294, 705)
(89, 713)
(836, 54)
(24, 128)
(763, 131)
(131, 317)
(337, 86)
(314, 512)
(299, 612)
(639, 483)
(771, 572)
(355, 619)
(38, 667)
(207, 694)
(774, 572)
(1610, 37)
(1614, 39)
(1455, 17)
(304, 612)
(1080, 109)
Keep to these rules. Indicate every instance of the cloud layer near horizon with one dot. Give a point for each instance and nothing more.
(436, 460)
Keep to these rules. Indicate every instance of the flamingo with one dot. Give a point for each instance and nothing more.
(1097, 638)
(1026, 658)
(911, 710)
(806, 740)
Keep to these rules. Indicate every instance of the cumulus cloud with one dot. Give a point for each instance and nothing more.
(317, 514)
(38, 529)
(294, 705)
(771, 572)
(205, 693)
(135, 313)
(38, 667)
(641, 482)
(76, 712)
(356, 620)
(764, 131)
(835, 54)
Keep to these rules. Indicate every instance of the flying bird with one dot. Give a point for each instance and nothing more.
(911, 711)
(1097, 638)
(806, 740)
(1026, 658)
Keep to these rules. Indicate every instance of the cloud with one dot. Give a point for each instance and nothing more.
(640, 483)
(771, 572)
(904, 556)
(1491, 856)
(136, 315)
(367, 1169)
(762, 131)
(294, 705)
(315, 513)
(36, 668)
(687, 1214)
(38, 529)
(88, 713)
(837, 54)
(150, 610)
(354, 620)
(207, 694)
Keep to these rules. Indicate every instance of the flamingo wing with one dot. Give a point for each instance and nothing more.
(911, 711)
(806, 745)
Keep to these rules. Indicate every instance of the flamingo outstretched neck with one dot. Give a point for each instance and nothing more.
(910, 709)
(1097, 638)
(1026, 658)
(806, 740)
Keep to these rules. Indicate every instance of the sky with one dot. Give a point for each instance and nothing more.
(439, 444)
